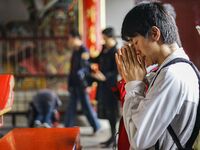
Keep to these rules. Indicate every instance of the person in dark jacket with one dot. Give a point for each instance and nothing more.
(77, 82)
(106, 76)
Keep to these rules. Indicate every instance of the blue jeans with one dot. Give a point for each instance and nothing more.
(79, 93)
(45, 111)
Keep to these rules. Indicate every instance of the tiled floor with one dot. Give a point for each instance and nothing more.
(92, 142)
(89, 141)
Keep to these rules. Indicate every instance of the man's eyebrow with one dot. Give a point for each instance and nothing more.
(128, 39)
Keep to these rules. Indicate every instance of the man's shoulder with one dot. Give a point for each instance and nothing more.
(179, 68)
(182, 72)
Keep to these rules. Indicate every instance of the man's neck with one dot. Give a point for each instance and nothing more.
(166, 50)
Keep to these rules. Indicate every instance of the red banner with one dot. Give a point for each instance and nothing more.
(91, 25)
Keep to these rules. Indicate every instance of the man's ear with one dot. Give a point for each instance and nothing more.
(155, 33)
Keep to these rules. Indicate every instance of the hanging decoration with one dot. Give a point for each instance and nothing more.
(91, 25)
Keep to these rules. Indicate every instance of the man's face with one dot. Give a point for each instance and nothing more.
(105, 39)
(144, 48)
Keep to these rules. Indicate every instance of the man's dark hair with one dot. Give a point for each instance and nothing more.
(109, 32)
(74, 33)
(141, 18)
(170, 10)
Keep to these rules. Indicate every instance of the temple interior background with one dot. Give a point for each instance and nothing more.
(33, 35)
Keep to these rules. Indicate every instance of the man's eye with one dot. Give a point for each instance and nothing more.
(135, 42)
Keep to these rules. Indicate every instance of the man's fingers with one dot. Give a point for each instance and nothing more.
(129, 51)
(120, 64)
(124, 56)
(139, 59)
(133, 54)
(131, 60)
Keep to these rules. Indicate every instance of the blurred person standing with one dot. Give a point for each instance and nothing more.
(77, 82)
(106, 77)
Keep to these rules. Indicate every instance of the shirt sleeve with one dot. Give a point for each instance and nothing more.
(146, 117)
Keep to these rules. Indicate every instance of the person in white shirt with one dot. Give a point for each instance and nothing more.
(172, 99)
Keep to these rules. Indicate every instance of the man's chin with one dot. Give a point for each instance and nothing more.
(148, 64)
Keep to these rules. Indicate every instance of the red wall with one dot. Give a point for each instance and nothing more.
(187, 17)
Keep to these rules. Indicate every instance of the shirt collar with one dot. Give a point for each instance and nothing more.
(179, 53)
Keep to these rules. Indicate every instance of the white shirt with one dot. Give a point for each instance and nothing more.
(172, 99)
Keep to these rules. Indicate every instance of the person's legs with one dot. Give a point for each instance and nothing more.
(112, 111)
(112, 121)
(48, 112)
(70, 114)
(113, 114)
(38, 115)
(88, 110)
